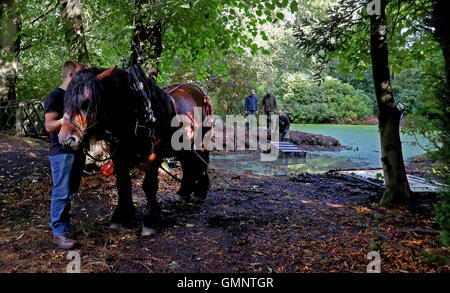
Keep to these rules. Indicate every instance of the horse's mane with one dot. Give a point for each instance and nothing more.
(74, 101)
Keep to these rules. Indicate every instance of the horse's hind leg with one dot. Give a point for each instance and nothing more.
(151, 218)
(187, 180)
(125, 210)
(202, 182)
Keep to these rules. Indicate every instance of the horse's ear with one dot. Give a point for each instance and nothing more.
(106, 73)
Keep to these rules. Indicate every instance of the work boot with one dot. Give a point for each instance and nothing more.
(63, 242)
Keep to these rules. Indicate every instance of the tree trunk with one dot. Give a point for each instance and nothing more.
(398, 191)
(147, 41)
(9, 50)
(74, 31)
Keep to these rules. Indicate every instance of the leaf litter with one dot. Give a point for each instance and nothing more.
(302, 223)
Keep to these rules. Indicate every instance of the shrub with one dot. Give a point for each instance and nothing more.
(332, 101)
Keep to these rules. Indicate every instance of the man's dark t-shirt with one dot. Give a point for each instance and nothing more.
(55, 102)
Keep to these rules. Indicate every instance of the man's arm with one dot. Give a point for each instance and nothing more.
(52, 123)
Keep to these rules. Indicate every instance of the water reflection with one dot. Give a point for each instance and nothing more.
(363, 151)
(313, 163)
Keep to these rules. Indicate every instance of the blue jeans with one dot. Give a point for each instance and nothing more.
(66, 174)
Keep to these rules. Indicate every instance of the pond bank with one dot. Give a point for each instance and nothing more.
(306, 141)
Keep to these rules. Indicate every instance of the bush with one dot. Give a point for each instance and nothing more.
(332, 101)
(430, 117)
(442, 209)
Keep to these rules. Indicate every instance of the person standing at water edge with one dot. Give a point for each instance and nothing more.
(269, 104)
(66, 165)
(284, 126)
(250, 108)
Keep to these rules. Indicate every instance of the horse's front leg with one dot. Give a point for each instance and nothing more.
(151, 218)
(125, 211)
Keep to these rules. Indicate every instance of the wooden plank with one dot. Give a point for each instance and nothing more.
(288, 149)
(417, 184)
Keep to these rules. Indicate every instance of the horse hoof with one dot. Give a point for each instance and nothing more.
(114, 226)
(181, 198)
(148, 231)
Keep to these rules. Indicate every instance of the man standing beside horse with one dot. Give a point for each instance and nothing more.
(66, 164)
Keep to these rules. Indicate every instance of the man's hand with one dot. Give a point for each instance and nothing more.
(52, 123)
(246, 112)
(256, 112)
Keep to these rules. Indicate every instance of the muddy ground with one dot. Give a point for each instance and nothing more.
(302, 223)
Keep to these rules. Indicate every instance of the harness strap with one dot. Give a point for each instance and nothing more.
(141, 84)
(74, 122)
(171, 88)
(174, 105)
(207, 106)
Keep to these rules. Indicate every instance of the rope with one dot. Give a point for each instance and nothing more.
(223, 179)
(170, 174)
(207, 166)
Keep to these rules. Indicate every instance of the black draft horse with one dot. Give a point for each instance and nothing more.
(102, 102)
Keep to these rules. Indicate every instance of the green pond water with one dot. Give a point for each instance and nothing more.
(362, 144)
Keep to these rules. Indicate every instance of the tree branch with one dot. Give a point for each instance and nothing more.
(44, 14)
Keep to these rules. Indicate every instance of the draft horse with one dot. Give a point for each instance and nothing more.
(134, 116)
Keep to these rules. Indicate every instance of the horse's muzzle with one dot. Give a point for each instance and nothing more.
(70, 142)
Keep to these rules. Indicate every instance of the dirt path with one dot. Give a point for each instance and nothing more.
(303, 223)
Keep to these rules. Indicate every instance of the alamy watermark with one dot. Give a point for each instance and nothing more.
(374, 7)
(191, 130)
(374, 265)
(75, 265)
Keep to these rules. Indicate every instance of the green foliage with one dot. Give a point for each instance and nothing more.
(442, 209)
(42, 51)
(408, 88)
(203, 31)
(285, 57)
(227, 91)
(198, 34)
(331, 101)
(43, 48)
(229, 95)
(429, 116)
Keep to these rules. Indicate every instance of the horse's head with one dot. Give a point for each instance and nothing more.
(81, 106)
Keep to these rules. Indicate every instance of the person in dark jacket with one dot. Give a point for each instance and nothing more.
(284, 125)
(269, 104)
(250, 108)
(66, 165)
